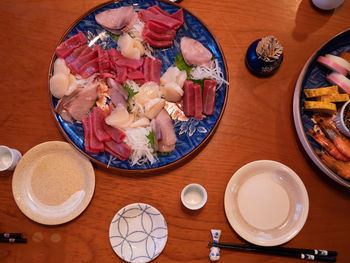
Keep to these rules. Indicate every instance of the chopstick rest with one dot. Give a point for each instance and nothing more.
(214, 251)
(306, 254)
(13, 240)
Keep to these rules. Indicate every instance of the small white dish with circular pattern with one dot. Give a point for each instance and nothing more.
(138, 233)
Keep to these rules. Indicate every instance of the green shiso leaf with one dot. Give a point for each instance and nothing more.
(131, 92)
(150, 137)
(181, 64)
(114, 36)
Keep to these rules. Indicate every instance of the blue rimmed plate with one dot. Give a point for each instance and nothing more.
(192, 134)
(314, 75)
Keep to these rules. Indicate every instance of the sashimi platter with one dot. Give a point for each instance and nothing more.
(138, 85)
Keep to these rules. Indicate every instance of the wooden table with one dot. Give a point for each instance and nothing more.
(257, 124)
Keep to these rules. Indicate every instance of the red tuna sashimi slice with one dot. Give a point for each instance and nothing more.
(160, 29)
(152, 69)
(66, 47)
(147, 32)
(79, 105)
(80, 61)
(158, 43)
(165, 20)
(198, 106)
(87, 147)
(97, 121)
(95, 144)
(118, 150)
(188, 98)
(89, 68)
(209, 90)
(119, 60)
(116, 134)
(136, 75)
(178, 15)
(75, 54)
(103, 59)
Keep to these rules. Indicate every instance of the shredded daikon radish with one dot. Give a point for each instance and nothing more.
(142, 150)
(88, 82)
(211, 72)
(136, 32)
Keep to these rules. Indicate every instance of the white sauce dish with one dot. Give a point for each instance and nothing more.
(194, 196)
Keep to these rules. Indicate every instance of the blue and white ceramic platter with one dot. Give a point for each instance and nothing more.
(138, 233)
(312, 76)
(192, 134)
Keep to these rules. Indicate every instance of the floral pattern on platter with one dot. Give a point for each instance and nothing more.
(138, 233)
(190, 134)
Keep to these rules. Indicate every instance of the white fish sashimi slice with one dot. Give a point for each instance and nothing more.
(117, 18)
(194, 52)
(153, 107)
(147, 92)
(169, 75)
(120, 118)
(59, 85)
(172, 92)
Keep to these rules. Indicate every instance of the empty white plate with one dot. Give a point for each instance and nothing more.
(53, 183)
(266, 203)
(138, 233)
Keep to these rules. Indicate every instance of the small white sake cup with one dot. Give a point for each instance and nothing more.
(8, 158)
(194, 196)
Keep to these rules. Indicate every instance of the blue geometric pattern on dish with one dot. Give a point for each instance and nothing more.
(315, 77)
(138, 233)
(195, 132)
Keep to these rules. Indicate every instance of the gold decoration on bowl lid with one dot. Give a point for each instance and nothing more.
(269, 49)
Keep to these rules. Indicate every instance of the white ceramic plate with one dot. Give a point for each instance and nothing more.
(266, 203)
(138, 233)
(53, 183)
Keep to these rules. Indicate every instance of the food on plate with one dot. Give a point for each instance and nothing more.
(312, 93)
(341, 61)
(194, 53)
(337, 97)
(332, 64)
(339, 80)
(119, 95)
(340, 167)
(160, 27)
(118, 19)
(319, 106)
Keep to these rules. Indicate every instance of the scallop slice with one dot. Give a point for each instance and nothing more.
(120, 118)
(147, 92)
(181, 77)
(172, 92)
(169, 75)
(60, 67)
(72, 85)
(143, 122)
(153, 107)
(59, 85)
(129, 47)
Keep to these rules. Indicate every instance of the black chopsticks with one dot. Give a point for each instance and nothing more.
(306, 254)
(12, 238)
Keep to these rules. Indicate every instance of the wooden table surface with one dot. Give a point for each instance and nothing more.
(257, 124)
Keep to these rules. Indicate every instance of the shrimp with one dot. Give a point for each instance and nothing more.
(339, 140)
(339, 167)
(328, 145)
